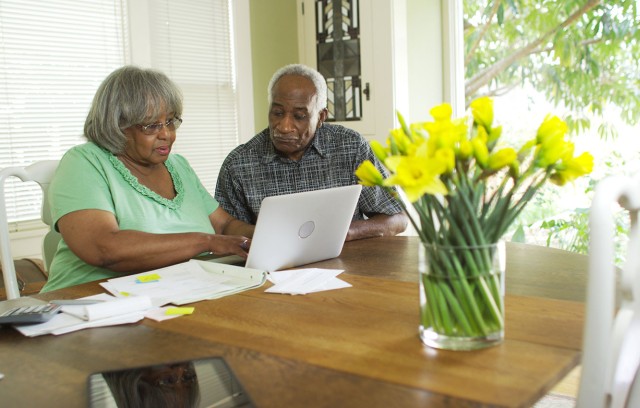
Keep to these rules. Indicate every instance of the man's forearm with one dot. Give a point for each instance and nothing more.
(377, 226)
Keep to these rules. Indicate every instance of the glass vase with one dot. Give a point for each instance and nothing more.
(462, 296)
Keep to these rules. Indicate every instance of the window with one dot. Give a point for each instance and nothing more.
(53, 56)
(192, 43)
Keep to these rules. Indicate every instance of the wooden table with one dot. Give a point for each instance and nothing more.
(355, 347)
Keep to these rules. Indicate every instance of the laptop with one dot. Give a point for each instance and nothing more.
(302, 228)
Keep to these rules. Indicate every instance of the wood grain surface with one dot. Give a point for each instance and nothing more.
(354, 347)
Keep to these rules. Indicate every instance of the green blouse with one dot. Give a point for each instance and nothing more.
(90, 177)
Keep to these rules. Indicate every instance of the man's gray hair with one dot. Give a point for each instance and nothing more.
(129, 96)
(314, 76)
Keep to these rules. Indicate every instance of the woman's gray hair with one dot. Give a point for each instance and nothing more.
(314, 76)
(127, 97)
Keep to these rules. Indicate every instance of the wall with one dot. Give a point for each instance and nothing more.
(274, 43)
(425, 56)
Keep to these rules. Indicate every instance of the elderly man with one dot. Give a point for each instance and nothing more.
(300, 152)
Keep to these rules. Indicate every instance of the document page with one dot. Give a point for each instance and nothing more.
(303, 281)
(187, 282)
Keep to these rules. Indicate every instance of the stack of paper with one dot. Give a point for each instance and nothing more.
(110, 308)
(142, 295)
(108, 312)
(303, 281)
(187, 282)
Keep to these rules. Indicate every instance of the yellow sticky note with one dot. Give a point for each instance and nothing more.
(179, 310)
(148, 278)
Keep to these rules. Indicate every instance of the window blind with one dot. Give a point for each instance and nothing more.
(192, 42)
(53, 56)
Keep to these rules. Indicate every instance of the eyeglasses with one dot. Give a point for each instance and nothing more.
(155, 128)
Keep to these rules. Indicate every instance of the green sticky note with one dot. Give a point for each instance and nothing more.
(179, 311)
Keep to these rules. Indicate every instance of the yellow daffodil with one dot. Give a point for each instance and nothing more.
(428, 158)
(552, 127)
(444, 132)
(417, 176)
(400, 143)
(482, 135)
(502, 158)
(446, 156)
(572, 168)
(482, 111)
(465, 150)
(441, 112)
(480, 151)
(369, 175)
(379, 150)
(551, 151)
(461, 202)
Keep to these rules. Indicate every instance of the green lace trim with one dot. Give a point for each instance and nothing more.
(145, 191)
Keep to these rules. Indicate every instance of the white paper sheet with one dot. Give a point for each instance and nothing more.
(187, 282)
(65, 323)
(303, 281)
(109, 308)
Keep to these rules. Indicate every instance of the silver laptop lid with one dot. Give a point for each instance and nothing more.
(301, 228)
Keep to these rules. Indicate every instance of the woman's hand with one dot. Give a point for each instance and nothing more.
(229, 245)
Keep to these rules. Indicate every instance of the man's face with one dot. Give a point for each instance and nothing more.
(292, 117)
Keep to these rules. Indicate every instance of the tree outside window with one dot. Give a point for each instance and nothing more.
(574, 58)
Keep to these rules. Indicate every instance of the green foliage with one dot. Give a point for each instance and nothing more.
(569, 229)
(577, 53)
(570, 233)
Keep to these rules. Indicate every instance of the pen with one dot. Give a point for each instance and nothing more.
(68, 302)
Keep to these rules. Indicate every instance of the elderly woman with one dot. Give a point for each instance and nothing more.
(123, 202)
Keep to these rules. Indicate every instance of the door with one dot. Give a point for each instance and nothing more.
(336, 37)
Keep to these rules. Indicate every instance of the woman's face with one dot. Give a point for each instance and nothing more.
(150, 149)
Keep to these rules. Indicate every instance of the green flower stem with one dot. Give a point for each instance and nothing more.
(458, 227)
(469, 299)
(453, 303)
(431, 317)
(517, 207)
(461, 288)
(494, 308)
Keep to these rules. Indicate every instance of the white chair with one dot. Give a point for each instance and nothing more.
(41, 172)
(611, 344)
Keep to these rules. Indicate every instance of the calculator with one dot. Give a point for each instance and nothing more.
(30, 314)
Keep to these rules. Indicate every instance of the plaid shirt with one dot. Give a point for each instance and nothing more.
(253, 171)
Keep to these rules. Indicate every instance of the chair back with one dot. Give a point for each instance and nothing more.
(611, 343)
(41, 172)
